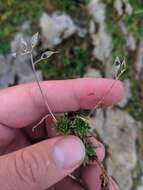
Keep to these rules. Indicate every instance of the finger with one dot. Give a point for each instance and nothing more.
(50, 125)
(99, 147)
(68, 183)
(11, 140)
(39, 133)
(24, 104)
(44, 130)
(41, 165)
(92, 177)
(113, 185)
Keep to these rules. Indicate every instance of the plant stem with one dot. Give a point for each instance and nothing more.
(38, 83)
(107, 93)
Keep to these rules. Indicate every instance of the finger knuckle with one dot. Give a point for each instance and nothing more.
(27, 167)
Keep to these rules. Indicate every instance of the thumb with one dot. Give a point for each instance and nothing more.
(41, 165)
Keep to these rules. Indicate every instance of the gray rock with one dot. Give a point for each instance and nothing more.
(16, 42)
(22, 65)
(23, 70)
(102, 45)
(130, 42)
(56, 27)
(81, 32)
(117, 129)
(139, 61)
(25, 26)
(6, 71)
(140, 188)
(123, 28)
(127, 94)
(118, 5)
(18, 67)
(30, 78)
(101, 40)
(91, 72)
(97, 10)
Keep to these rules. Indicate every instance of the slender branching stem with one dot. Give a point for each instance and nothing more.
(41, 121)
(117, 77)
(40, 88)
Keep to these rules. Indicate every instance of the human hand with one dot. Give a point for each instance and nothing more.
(42, 165)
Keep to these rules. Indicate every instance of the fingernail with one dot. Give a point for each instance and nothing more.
(68, 152)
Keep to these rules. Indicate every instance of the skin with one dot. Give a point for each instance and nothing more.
(33, 167)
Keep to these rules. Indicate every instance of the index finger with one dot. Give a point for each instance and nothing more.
(23, 105)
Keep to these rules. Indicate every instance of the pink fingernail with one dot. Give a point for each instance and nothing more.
(68, 152)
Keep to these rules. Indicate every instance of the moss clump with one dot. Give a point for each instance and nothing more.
(64, 126)
(79, 127)
(90, 153)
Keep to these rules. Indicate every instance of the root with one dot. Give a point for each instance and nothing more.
(40, 122)
(79, 181)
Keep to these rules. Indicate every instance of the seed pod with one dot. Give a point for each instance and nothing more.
(34, 40)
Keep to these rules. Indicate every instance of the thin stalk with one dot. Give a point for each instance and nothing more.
(40, 122)
(107, 93)
(102, 99)
(38, 83)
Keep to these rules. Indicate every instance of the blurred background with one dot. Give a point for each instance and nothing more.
(89, 35)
